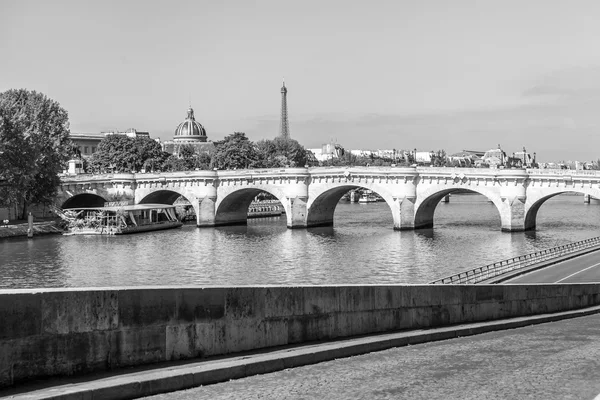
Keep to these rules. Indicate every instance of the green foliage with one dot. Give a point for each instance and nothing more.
(280, 152)
(234, 152)
(439, 159)
(34, 147)
(188, 160)
(311, 159)
(120, 153)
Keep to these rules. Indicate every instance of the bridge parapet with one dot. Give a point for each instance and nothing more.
(537, 171)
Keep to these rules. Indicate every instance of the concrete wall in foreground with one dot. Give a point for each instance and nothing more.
(66, 332)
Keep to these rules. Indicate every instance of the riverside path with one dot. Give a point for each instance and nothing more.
(581, 269)
(557, 360)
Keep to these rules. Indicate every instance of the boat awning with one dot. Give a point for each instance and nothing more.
(135, 207)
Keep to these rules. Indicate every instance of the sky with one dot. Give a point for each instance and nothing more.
(424, 74)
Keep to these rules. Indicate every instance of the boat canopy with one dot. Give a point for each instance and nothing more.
(133, 207)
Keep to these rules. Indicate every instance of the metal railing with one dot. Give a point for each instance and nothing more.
(512, 264)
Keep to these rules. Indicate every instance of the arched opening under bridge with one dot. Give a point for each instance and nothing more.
(322, 210)
(184, 209)
(238, 206)
(562, 207)
(475, 208)
(84, 200)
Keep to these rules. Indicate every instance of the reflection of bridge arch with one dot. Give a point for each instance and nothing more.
(232, 209)
(321, 209)
(429, 199)
(84, 200)
(535, 200)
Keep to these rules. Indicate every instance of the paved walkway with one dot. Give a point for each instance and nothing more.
(556, 360)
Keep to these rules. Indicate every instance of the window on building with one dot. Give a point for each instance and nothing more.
(93, 150)
(85, 149)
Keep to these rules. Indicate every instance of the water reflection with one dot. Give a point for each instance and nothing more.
(361, 247)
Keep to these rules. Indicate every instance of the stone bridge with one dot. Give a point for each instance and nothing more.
(310, 195)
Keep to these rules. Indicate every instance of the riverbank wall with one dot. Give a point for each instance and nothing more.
(64, 332)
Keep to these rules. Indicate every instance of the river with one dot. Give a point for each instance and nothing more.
(361, 248)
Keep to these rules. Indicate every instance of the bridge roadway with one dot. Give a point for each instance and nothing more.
(582, 269)
(556, 360)
(309, 195)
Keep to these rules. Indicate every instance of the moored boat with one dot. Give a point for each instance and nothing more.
(120, 220)
(368, 197)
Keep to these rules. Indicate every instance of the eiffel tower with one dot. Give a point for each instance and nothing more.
(284, 127)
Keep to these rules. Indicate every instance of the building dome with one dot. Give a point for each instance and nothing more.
(190, 130)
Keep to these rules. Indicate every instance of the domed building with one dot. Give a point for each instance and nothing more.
(189, 132)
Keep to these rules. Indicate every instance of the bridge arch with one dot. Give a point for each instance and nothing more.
(168, 196)
(321, 210)
(84, 200)
(536, 199)
(428, 201)
(232, 206)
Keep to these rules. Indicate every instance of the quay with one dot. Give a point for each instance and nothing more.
(57, 333)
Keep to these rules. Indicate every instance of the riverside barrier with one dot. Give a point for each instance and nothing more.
(65, 332)
(514, 264)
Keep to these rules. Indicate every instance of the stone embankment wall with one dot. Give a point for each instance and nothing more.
(54, 332)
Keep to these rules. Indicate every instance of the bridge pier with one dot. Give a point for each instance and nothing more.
(403, 210)
(512, 214)
(205, 211)
(513, 193)
(296, 212)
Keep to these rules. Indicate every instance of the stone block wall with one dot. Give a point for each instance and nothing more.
(55, 332)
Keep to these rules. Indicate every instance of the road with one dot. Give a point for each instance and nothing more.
(558, 360)
(582, 269)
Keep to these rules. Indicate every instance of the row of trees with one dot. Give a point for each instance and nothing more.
(118, 153)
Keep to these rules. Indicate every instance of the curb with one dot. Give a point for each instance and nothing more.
(128, 385)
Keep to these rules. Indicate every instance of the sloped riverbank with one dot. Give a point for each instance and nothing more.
(20, 229)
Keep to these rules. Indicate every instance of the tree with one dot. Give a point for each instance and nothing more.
(311, 159)
(34, 147)
(187, 160)
(439, 159)
(120, 153)
(235, 151)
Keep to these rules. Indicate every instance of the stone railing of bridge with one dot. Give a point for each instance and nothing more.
(309, 195)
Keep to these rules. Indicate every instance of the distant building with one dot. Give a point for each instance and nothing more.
(527, 160)
(423, 157)
(494, 158)
(132, 133)
(189, 132)
(328, 151)
(86, 143)
(466, 158)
